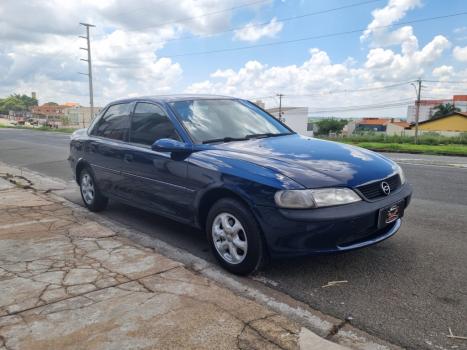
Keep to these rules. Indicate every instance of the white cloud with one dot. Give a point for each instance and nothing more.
(460, 34)
(380, 35)
(319, 73)
(316, 73)
(43, 56)
(460, 53)
(390, 14)
(252, 32)
(40, 49)
(315, 78)
(443, 73)
(387, 65)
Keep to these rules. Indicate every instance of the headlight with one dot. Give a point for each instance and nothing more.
(323, 197)
(401, 173)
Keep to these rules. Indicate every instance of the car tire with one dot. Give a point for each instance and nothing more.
(93, 199)
(235, 237)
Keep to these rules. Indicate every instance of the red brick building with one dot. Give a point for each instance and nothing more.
(49, 110)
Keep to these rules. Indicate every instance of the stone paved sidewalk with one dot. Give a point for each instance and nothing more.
(70, 283)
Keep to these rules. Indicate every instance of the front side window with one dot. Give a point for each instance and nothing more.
(208, 120)
(149, 123)
(114, 124)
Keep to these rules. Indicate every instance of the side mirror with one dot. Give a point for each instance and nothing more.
(170, 145)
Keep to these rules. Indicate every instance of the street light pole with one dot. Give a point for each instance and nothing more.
(89, 74)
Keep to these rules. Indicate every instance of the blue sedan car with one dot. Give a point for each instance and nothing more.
(224, 165)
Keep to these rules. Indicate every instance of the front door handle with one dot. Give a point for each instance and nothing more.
(128, 158)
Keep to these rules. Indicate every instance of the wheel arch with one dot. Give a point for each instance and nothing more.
(211, 196)
(80, 165)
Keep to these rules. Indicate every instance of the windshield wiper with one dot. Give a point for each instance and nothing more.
(225, 139)
(247, 137)
(268, 134)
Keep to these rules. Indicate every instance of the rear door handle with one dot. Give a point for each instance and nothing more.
(128, 158)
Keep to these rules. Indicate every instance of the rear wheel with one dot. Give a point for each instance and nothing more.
(92, 197)
(234, 237)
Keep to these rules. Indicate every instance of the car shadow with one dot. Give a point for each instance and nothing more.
(391, 256)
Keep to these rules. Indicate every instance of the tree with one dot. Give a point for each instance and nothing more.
(16, 102)
(65, 120)
(51, 104)
(328, 125)
(445, 109)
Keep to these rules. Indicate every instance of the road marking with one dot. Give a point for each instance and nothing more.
(457, 166)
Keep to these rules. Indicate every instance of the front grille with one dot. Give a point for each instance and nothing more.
(373, 190)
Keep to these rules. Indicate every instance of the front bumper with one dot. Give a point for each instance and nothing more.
(292, 232)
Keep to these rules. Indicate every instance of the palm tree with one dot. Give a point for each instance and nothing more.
(445, 109)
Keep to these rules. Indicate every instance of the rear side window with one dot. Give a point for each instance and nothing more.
(114, 124)
(150, 123)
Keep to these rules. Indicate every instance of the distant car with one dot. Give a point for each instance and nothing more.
(224, 165)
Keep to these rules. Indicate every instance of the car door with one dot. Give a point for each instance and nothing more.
(158, 179)
(106, 146)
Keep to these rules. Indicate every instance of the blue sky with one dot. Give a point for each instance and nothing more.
(136, 48)
(339, 48)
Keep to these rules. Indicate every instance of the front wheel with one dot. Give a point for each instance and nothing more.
(92, 197)
(234, 237)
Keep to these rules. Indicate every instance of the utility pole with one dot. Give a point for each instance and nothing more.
(280, 105)
(417, 108)
(89, 74)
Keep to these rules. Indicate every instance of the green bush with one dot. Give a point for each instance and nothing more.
(450, 149)
(431, 138)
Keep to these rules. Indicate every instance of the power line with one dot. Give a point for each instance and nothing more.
(389, 103)
(321, 36)
(187, 19)
(261, 98)
(371, 105)
(283, 19)
(327, 111)
(445, 81)
(349, 90)
(357, 109)
(320, 93)
(386, 105)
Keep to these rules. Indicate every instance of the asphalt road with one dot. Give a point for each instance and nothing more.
(408, 290)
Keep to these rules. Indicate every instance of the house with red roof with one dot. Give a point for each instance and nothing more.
(389, 126)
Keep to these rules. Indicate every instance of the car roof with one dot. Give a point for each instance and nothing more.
(175, 97)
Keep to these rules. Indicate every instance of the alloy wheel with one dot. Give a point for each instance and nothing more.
(229, 238)
(87, 188)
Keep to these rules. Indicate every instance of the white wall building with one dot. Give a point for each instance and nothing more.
(80, 116)
(295, 118)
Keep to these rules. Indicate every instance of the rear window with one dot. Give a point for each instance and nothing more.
(114, 124)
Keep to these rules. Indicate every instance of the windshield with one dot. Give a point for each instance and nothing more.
(226, 120)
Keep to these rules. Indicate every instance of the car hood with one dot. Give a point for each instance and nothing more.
(311, 162)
